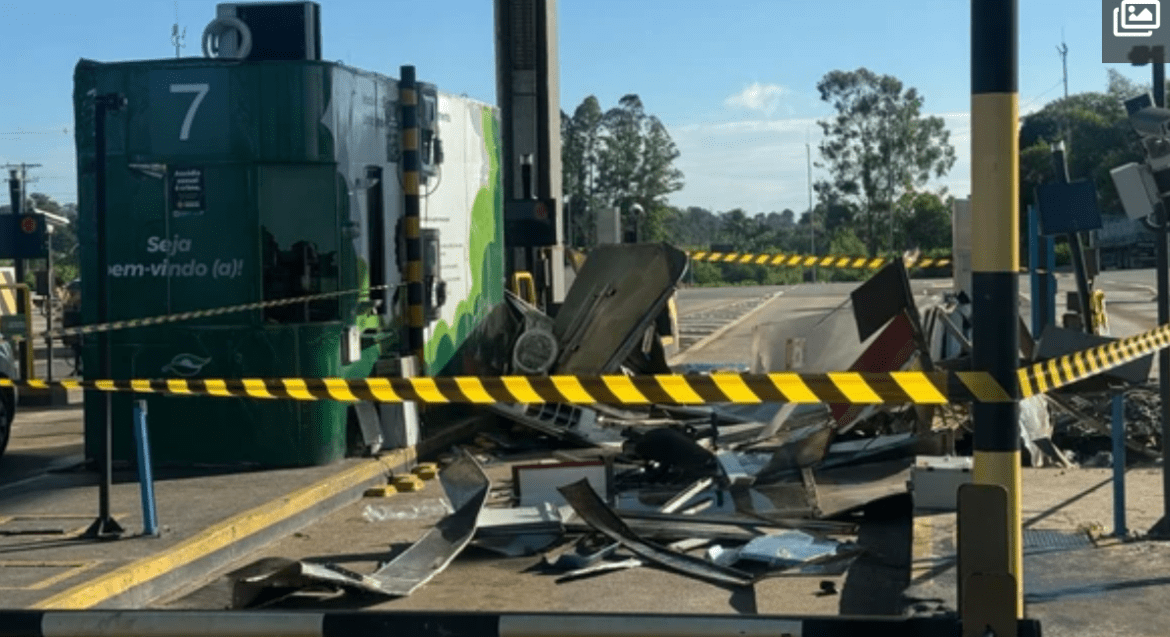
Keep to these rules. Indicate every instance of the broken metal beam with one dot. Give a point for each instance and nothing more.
(597, 514)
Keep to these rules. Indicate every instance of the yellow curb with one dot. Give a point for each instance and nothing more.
(427, 470)
(219, 536)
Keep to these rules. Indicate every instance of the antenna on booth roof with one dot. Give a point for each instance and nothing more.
(178, 38)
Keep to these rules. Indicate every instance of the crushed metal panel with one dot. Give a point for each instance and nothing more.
(584, 553)
(675, 450)
(671, 529)
(733, 469)
(370, 425)
(544, 518)
(594, 511)
(467, 487)
(803, 447)
(597, 569)
(889, 352)
(686, 495)
(518, 545)
(616, 296)
(272, 578)
(882, 297)
(869, 449)
(571, 423)
(788, 548)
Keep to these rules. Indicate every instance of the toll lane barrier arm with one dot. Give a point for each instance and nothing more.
(808, 260)
(1039, 378)
(821, 261)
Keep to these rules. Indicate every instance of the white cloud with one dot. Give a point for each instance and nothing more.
(761, 165)
(757, 97)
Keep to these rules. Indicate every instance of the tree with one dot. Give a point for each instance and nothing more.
(1123, 88)
(737, 229)
(787, 218)
(928, 221)
(618, 158)
(1099, 138)
(580, 135)
(694, 227)
(878, 146)
(845, 241)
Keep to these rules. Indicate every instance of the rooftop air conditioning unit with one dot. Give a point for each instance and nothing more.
(271, 31)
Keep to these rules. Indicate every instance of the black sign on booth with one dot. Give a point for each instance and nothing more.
(187, 191)
(22, 237)
(1068, 208)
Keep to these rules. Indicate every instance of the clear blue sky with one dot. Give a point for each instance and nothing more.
(735, 82)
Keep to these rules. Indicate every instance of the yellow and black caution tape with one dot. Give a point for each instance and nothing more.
(186, 316)
(809, 260)
(909, 387)
(1055, 373)
(668, 389)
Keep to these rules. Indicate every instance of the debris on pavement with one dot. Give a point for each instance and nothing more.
(727, 494)
(594, 511)
(467, 488)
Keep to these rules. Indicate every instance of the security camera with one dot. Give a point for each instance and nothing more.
(1151, 122)
(1137, 189)
(636, 209)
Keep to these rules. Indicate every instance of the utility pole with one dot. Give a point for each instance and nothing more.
(812, 228)
(18, 194)
(1062, 50)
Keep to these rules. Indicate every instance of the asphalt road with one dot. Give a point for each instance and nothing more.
(822, 314)
(43, 439)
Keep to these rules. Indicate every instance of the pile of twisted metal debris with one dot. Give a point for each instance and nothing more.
(723, 493)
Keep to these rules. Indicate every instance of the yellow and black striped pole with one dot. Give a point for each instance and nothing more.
(995, 254)
(411, 220)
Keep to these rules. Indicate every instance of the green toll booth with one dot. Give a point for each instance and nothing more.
(234, 182)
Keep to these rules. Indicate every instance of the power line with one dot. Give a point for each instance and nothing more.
(1050, 89)
(64, 131)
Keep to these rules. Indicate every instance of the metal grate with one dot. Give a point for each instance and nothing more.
(1044, 540)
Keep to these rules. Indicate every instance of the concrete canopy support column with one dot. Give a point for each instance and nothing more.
(995, 253)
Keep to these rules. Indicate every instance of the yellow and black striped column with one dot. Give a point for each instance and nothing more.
(411, 220)
(995, 253)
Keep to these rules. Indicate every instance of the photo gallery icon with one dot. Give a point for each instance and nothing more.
(1137, 18)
